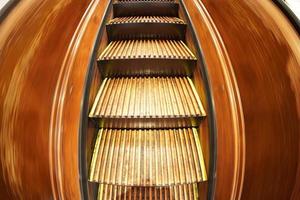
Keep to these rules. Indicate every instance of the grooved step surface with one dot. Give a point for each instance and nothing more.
(146, 27)
(147, 97)
(150, 157)
(183, 192)
(146, 19)
(149, 49)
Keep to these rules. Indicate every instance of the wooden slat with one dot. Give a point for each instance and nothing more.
(147, 97)
(181, 192)
(146, 19)
(168, 49)
(151, 157)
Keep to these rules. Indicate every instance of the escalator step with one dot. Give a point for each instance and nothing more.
(146, 19)
(147, 102)
(146, 27)
(183, 192)
(147, 58)
(151, 157)
(149, 49)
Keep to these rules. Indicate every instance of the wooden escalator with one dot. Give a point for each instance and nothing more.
(147, 107)
(149, 99)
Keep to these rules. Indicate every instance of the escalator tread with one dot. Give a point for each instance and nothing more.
(144, 97)
(146, 19)
(147, 108)
(147, 49)
(149, 157)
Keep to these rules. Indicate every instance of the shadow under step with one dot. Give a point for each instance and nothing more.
(149, 157)
(146, 57)
(149, 8)
(181, 192)
(147, 102)
(146, 27)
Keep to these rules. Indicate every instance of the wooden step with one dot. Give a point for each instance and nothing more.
(146, 57)
(147, 7)
(148, 157)
(150, 49)
(182, 192)
(146, 27)
(147, 102)
(146, 19)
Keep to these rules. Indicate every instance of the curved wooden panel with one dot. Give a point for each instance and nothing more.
(227, 105)
(45, 50)
(252, 44)
(265, 54)
(252, 56)
(270, 62)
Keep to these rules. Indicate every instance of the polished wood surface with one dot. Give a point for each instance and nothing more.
(137, 147)
(147, 102)
(146, 27)
(227, 106)
(265, 56)
(141, 49)
(251, 53)
(146, 19)
(147, 58)
(39, 152)
(148, 157)
(252, 57)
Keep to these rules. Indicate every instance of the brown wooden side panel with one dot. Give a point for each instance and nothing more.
(39, 153)
(252, 58)
(34, 39)
(264, 51)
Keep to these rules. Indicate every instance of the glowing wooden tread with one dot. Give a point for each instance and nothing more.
(150, 157)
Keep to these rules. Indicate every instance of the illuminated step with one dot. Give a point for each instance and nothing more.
(147, 102)
(146, 19)
(182, 192)
(136, 57)
(146, 27)
(146, 7)
(149, 157)
(150, 49)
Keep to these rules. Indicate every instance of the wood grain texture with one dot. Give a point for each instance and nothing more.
(266, 61)
(226, 101)
(263, 51)
(33, 53)
(147, 157)
(145, 97)
(29, 71)
(146, 19)
(147, 102)
(65, 120)
(141, 49)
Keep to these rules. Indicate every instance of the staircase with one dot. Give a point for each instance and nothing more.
(147, 107)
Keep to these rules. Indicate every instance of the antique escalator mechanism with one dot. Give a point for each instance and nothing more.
(147, 107)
